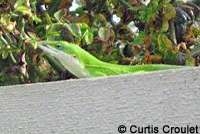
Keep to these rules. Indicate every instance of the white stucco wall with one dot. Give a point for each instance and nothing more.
(100, 106)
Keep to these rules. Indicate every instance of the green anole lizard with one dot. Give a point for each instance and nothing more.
(82, 64)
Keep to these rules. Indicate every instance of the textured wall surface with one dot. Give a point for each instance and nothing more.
(99, 106)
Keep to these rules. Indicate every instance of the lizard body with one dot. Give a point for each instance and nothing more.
(82, 64)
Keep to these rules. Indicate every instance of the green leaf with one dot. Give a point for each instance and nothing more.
(140, 38)
(19, 3)
(88, 38)
(5, 54)
(165, 26)
(4, 19)
(53, 36)
(1, 1)
(23, 10)
(164, 43)
(59, 14)
(36, 19)
(190, 61)
(74, 29)
(84, 28)
(169, 11)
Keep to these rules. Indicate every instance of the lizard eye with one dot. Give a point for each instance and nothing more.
(59, 47)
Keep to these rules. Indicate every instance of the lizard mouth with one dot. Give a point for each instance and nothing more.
(48, 49)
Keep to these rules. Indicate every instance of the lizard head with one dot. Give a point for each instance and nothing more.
(65, 47)
(67, 54)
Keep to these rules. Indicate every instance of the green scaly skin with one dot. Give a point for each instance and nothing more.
(82, 64)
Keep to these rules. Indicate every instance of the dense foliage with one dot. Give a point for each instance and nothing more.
(116, 31)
